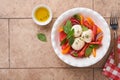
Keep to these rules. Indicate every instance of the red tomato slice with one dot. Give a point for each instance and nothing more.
(74, 52)
(62, 35)
(74, 21)
(98, 42)
(66, 50)
(90, 21)
(99, 36)
(94, 32)
(87, 24)
(64, 46)
(82, 52)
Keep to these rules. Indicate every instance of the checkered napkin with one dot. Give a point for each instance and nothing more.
(110, 70)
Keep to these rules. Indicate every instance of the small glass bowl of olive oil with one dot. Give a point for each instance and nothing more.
(42, 15)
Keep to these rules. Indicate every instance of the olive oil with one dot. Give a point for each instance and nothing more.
(42, 14)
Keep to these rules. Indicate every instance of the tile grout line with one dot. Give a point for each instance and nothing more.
(93, 74)
(23, 18)
(9, 40)
(49, 68)
(17, 18)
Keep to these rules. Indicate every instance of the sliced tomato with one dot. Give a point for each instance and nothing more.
(71, 49)
(85, 23)
(94, 32)
(74, 53)
(98, 30)
(98, 42)
(81, 19)
(64, 46)
(94, 52)
(62, 35)
(82, 52)
(60, 29)
(99, 37)
(90, 21)
(66, 50)
(74, 21)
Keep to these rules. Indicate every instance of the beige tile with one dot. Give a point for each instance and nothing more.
(26, 50)
(23, 8)
(46, 74)
(118, 7)
(98, 75)
(4, 63)
(105, 7)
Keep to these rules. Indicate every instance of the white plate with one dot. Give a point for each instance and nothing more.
(81, 62)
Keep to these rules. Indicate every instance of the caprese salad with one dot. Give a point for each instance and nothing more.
(80, 36)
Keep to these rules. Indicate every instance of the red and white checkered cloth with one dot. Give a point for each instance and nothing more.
(110, 70)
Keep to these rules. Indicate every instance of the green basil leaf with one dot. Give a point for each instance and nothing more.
(88, 52)
(94, 46)
(75, 54)
(42, 37)
(70, 34)
(67, 27)
(63, 42)
(71, 40)
(76, 16)
(84, 28)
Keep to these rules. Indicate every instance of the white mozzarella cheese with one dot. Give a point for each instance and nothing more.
(87, 36)
(78, 44)
(77, 30)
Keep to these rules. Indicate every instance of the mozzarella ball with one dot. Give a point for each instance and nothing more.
(77, 30)
(78, 44)
(87, 36)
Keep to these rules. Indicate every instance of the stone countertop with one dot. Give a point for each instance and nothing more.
(24, 57)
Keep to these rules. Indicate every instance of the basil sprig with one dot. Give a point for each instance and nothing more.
(69, 31)
(76, 16)
(70, 34)
(71, 40)
(67, 27)
(89, 49)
